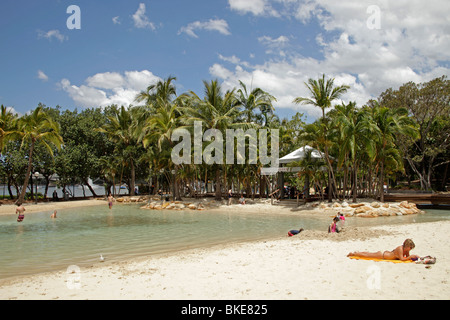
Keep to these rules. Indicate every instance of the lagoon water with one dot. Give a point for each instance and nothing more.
(79, 236)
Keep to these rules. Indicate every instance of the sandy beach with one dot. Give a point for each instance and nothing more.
(8, 209)
(312, 265)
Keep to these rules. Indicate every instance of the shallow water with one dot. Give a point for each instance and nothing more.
(79, 236)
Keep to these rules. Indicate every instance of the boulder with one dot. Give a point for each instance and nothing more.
(406, 205)
(375, 205)
(362, 209)
(356, 205)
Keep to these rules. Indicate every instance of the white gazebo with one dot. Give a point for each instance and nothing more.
(296, 155)
(300, 154)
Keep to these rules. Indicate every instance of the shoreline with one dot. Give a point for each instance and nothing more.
(312, 265)
(10, 209)
(363, 208)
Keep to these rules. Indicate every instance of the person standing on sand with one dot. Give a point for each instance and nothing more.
(399, 253)
(110, 201)
(230, 195)
(20, 211)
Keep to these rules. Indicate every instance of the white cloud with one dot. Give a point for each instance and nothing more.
(42, 75)
(52, 34)
(141, 21)
(412, 42)
(219, 25)
(107, 80)
(116, 20)
(256, 7)
(103, 89)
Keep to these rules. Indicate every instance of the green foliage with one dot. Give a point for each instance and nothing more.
(402, 135)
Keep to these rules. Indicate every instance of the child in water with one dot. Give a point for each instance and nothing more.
(20, 211)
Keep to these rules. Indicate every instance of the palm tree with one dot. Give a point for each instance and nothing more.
(36, 127)
(164, 90)
(390, 123)
(355, 131)
(121, 129)
(7, 123)
(214, 111)
(323, 93)
(256, 99)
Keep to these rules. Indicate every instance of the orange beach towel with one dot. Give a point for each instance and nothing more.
(374, 259)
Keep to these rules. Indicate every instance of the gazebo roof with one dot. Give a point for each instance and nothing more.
(300, 154)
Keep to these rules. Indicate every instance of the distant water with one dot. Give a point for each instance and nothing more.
(76, 190)
(79, 236)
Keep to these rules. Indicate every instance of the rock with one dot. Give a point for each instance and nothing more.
(362, 209)
(356, 205)
(336, 205)
(405, 204)
(165, 205)
(375, 205)
(407, 211)
(367, 214)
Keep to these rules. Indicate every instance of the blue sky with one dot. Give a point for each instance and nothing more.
(124, 46)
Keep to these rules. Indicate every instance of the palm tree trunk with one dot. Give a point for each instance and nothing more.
(27, 175)
(354, 182)
(133, 178)
(177, 189)
(218, 190)
(90, 188)
(382, 182)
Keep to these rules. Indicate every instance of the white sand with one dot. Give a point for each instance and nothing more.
(312, 265)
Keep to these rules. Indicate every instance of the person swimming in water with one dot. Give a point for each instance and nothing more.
(400, 253)
(20, 210)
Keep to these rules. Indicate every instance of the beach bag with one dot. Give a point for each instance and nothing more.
(427, 260)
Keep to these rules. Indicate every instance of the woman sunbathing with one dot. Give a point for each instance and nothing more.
(399, 253)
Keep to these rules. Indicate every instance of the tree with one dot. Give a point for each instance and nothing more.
(390, 123)
(255, 99)
(355, 129)
(215, 111)
(157, 124)
(163, 90)
(121, 130)
(7, 123)
(36, 127)
(323, 93)
(428, 104)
